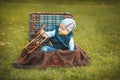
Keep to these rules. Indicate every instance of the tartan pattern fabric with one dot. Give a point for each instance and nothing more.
(51, 21)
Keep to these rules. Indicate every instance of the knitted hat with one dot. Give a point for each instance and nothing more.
(69, 24)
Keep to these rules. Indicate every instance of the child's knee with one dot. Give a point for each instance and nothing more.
(44, 48)
(47, 48)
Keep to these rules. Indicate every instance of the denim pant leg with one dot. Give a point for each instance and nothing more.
(47, 48)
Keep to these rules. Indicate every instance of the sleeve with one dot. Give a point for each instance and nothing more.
(49, 34)
(71, 44)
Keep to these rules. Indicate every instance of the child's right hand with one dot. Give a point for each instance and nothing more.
(42, 31)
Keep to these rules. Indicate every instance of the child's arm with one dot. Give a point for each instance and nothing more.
(71, 44)
(47, 33)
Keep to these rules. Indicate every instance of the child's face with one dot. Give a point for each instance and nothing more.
(62, 30)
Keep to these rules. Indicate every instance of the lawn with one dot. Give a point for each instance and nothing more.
(97, 32)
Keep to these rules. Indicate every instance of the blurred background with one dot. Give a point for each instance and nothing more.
(97, 32)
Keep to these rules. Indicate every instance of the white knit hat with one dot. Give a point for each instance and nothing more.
(69, 23)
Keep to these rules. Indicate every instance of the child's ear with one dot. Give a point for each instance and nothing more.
(61, 25)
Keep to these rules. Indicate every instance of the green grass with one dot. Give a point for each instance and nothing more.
(97, 32)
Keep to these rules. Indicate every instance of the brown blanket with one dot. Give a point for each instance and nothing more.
(42, 60)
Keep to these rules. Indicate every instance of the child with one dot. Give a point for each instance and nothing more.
(61, 37)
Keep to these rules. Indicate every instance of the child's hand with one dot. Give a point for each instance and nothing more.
(42, 32)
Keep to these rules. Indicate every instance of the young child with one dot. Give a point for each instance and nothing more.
(61, 37)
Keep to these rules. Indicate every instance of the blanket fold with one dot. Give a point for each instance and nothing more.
(42, 60)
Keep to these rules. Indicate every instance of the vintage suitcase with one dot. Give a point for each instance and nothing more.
(48, 21)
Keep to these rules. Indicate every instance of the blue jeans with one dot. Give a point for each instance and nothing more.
(47, 48)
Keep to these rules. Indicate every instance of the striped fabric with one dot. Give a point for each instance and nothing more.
(51, 21)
